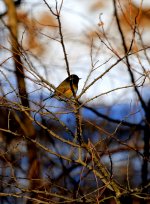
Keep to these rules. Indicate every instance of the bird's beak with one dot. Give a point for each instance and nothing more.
(80, 78)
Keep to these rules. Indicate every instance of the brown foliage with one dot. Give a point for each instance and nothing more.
(130, 12)
(33, 30)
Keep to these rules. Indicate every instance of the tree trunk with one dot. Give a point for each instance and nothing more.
(28, 129)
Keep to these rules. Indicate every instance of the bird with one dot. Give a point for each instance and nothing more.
(67, 88)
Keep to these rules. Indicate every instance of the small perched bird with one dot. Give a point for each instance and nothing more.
(66, 88)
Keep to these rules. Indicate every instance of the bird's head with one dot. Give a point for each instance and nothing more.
(74, 78)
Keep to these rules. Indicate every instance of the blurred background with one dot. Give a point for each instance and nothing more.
(107, 46)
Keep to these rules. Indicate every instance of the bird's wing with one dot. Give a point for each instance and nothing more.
(61, 90)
